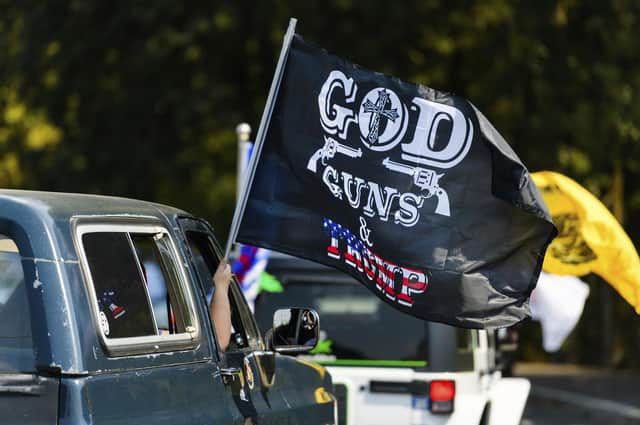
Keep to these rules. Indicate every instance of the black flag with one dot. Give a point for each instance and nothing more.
(408, 189)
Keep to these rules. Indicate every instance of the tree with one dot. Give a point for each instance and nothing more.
(141, 100)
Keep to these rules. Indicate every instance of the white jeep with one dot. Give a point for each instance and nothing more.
(388, 367)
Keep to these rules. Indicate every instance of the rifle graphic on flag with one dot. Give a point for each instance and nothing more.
(410, 190)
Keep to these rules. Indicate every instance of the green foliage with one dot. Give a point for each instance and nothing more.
(140, 99)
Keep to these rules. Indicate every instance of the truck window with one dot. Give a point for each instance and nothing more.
(139, 291)
(161, 278)
(119, 286)
(206, 262)
(466, 342)
(16, 347)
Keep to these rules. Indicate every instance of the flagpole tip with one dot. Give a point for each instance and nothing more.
(243, 131)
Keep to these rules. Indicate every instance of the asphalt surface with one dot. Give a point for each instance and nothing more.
(572, 395)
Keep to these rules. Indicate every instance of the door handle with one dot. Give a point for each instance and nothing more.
(229, 374)
(22, 384)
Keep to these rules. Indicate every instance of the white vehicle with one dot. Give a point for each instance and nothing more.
(388, 367)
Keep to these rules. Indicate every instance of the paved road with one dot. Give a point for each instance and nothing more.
(570, 395)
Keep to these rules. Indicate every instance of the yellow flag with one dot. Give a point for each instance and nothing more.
(590, 239)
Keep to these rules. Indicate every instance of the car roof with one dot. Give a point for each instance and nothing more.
(62, 206)
(26, 214)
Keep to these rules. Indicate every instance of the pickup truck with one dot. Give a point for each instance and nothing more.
(104, 320)
(391, 368)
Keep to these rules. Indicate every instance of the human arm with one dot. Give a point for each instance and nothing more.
(219, 308)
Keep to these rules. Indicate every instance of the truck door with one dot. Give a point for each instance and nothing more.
(157, 363)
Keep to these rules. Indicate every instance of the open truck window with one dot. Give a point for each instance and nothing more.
(206, 261)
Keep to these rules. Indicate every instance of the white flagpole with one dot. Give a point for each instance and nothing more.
(260, 136)
(243, 131)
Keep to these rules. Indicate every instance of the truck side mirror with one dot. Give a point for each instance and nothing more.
(295, 330)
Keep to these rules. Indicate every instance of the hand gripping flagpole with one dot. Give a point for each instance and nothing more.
(260, 136)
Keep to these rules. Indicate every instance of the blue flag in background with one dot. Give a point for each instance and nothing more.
(248, 268)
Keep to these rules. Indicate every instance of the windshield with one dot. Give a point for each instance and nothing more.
(356, 326)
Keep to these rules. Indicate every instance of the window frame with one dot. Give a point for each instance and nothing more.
(147, 344)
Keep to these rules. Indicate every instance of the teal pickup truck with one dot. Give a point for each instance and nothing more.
(104, 320)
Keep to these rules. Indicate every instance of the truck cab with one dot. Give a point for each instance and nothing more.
(104, 320)
(388, 367)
